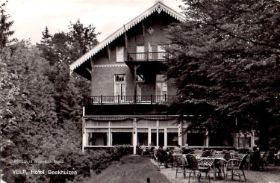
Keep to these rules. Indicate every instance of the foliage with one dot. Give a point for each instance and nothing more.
(5, 27)
(9, 90)
(40, 118)
(82, 38)
(31, 117)
(226, 56)
(60, 49)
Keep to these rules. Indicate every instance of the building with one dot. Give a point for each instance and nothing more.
(130, 91)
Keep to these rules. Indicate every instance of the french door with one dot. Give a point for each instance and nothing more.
(119, 88)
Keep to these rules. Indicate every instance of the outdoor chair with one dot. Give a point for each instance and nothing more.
(163, 158)
(218, 168)
(197, 167)
(206, 153)
(180, 164)
(264, 160)
(236, 167)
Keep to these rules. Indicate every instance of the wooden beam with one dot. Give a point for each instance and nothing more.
(144, 38)
(90, 70)
(125, 44)
(108, 53)
(87, 69)
(125, 38)
(143, 31)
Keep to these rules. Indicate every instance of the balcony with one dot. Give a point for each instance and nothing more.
(138, 99)
(147, 62)
(147, 56)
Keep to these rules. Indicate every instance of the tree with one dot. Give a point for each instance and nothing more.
(226, 56)
(82, 38)
(29, 121)
(60, 49)
(9, 90)
(5, 27)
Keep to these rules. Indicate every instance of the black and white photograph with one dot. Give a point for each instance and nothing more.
(139, 91)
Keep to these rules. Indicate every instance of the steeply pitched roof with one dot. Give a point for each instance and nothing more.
(159, 7)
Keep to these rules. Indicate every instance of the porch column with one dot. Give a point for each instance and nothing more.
(252, 139)
(149, 136)
(134, 136)
(165, 137)
(109, 135)
(207, 138)
(84, 135)
(157, 133)
(180, 134)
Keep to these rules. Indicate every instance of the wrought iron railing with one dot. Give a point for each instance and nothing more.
(147, 56)
(138, 99)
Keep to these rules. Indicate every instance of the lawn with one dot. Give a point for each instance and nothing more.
(130, 169)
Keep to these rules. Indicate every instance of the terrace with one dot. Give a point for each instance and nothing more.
(133, 99)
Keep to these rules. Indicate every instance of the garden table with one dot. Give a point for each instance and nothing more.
(216, 165)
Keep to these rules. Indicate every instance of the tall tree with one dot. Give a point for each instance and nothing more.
(29, 122)
(60, 49)
(9, 91)
(226, 56)
(82, 38)
(5, 27)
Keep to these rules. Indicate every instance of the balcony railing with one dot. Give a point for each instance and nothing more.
(139, 99)
(147, 56)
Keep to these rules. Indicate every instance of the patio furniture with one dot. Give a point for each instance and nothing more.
(163, 157)
(216, 165)
(180, 164)
(264, 160)
(197, 167)
(197, 153)
(236, 167)
(206, 153)
(255, 158)
(158, 157)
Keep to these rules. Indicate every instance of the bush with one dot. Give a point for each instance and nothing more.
(72, 160)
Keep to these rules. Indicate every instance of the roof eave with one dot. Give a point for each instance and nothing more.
(159, 6)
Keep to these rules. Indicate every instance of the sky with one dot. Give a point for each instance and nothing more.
(32, 16)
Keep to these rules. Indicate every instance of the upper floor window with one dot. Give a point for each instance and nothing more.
(119, 54)
(140, 52)
(119, 78)
(161, 52)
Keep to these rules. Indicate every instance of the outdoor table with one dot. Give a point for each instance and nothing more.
(216, 164)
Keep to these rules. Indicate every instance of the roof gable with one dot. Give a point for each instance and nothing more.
(157, 7)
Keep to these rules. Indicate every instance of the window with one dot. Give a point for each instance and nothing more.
(172, 138)
(142, 138)
(161, 88)
(120, 54)
(122, 138)
(119, 77)
(219, 139)
(161, 52)
(140, 53)
(119, 87)
(160, 137)
(97, 138)
(195, 139)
